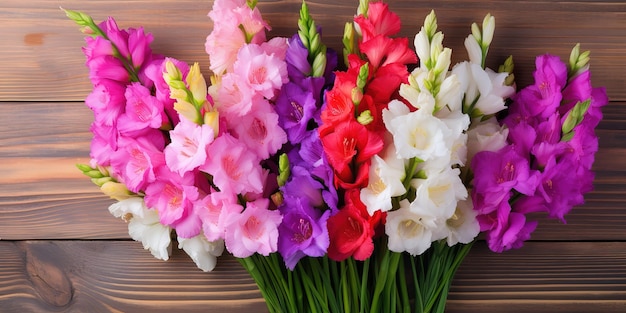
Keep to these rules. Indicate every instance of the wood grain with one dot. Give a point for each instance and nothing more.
(41, 48)
(95, 276)
(98, 276)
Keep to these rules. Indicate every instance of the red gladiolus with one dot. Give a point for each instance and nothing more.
(379, 21)
(352, 229)
(350, 234)
(348, 146)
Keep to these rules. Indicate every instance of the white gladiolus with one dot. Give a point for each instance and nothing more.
(499, 88)
(436, 45)
(385, 182)
(443, 61)
(474, 51)
(462, 226)
(450, 97)
(440, 192)
(483, 91)
(409, 229)
(203, 252)
(419, 134)
(486, 136)
(144, 226)
(456, 121)
(422, 45)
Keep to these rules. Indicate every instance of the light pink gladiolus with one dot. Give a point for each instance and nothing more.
(253, 231)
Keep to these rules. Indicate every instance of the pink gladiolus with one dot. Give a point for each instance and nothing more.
(235, 97)
(234, 167)
(137, 160)
(107, 67)
(107, 102)
(264, 73)
(214, 210)
(142, 110)
(103, 144)
(119, 38)
(227, 37)
(259, 130)
(171, 195)
(188, 148)
(253, 231)
(97, 47)
(139, 46)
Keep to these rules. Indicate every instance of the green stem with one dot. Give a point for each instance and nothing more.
(364, 303)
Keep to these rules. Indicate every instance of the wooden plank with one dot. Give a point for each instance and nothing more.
(41, 58)
(543, 277)
(102, 276)
(118, 276)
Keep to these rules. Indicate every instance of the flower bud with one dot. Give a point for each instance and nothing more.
(212, 118)
(356, 96)
(187, 110)
(84, 167)
(489, 27)
(348, 41)
(101, 180)
(430, 24)
(319, 64)
(364, 73)
(443, 61)
(277, 198)
(283, 169)
(197, 84)
(422, 46)
(474, 51)
(476, 33)
(94, 174)
(117, 191)
(365, 117)
(171, 72)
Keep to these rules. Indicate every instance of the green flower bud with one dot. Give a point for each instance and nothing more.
(348, 41)
(251, 3)
(101, 181)
(363, 7)
(319, 64)
(578, 62)
(575, 116)
(507, 67)
(365, 117)
(283, 169)
(363, 75)
(94, 174)
(430, 24)
(84, 167)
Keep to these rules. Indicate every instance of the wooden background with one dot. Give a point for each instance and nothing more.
(61, 251)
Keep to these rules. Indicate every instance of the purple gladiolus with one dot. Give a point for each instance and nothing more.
(298, 66)
(295, 108)
(501, 172)
(302, 232)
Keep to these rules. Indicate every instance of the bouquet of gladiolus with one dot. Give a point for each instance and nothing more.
(354, 188)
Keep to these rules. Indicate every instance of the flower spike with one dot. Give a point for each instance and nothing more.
(578, 62)
(311, 39)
